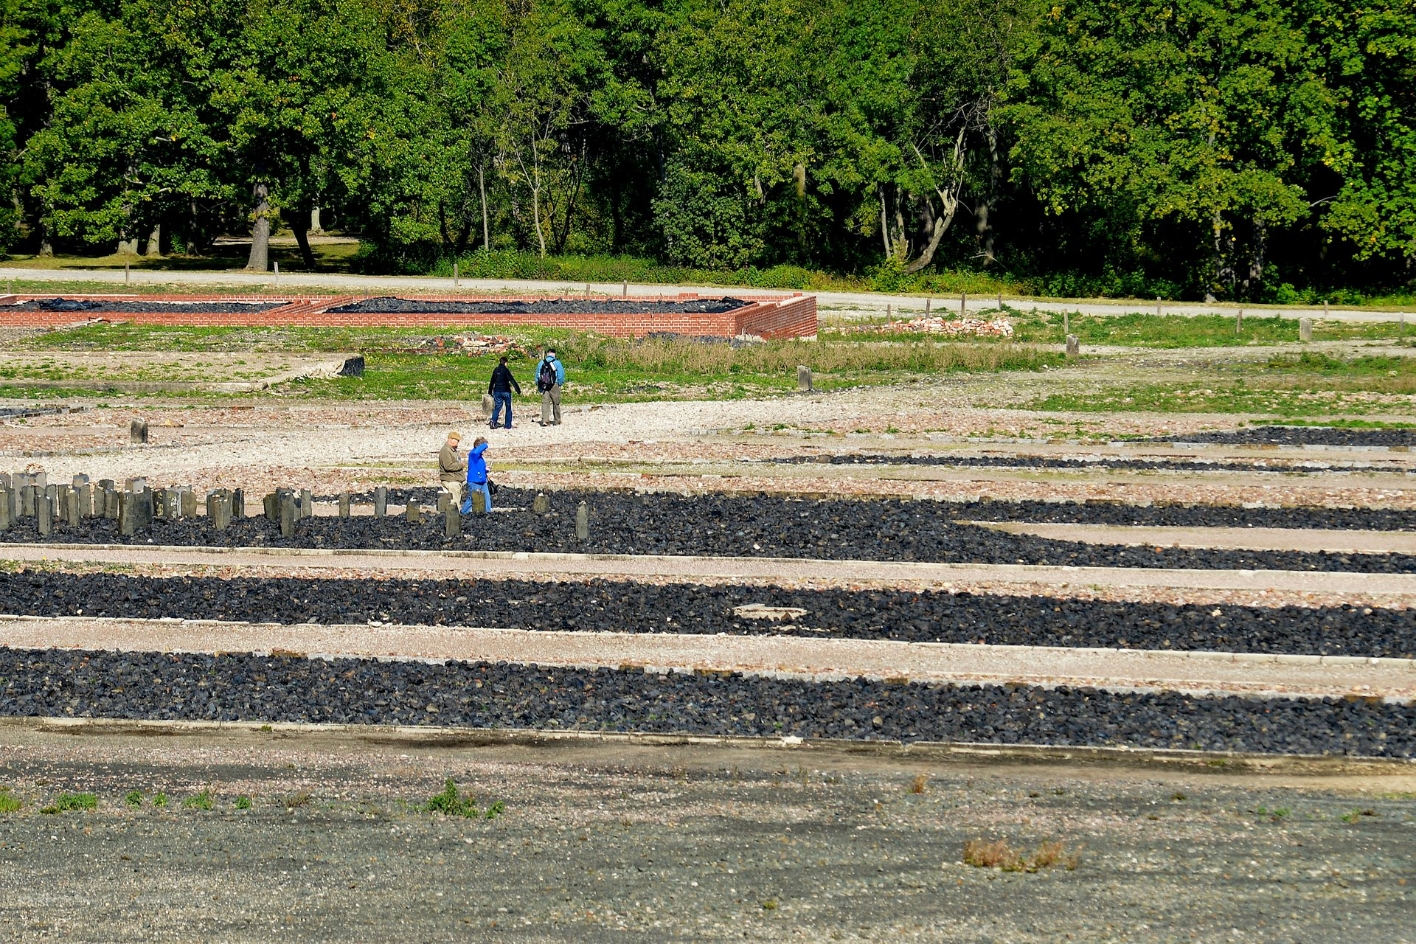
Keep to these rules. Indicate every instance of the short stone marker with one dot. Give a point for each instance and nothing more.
(238, 503)
(79, 481)
(1074, 346)
(84, 499)
(413, 511)
(5, 517)
(1305, 329)
(44, 514)
(582, 522)
(26, 505)
(487, 406)
(452, 521)
(307, 503)
(134, 512)
(444, 499)
(540, 504)
(272, 505)
(138, 432)
(803, 379)
(287, 515)
(112, 503)
(344, 504)
(189, 502)
(380, 501)
(73, 506)
(479, 502)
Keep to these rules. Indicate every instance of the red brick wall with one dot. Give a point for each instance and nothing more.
(782, 317)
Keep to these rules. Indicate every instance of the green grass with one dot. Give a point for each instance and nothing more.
(9, 803)
(133, 798)
(72, 802)
(1158, 331)
(600, 369)
(451, 803)
(199, 801)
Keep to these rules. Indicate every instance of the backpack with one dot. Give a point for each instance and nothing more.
(546, 379)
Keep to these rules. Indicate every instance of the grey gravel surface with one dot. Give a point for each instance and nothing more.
(680, 844)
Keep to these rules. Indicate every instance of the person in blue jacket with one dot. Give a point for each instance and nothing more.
(477, 475)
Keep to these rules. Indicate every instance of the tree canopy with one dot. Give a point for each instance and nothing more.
(1182, 147)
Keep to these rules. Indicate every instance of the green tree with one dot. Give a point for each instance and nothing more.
(1201, 115)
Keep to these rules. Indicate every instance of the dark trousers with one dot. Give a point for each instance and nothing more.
(502, 398)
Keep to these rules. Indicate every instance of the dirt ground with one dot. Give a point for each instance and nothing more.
(624, 842)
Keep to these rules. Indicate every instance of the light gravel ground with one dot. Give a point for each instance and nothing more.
(621, 842)
(501, 563)
(1248, 539)
(795, 656)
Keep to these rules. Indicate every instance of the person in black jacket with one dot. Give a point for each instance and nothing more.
(500, 387)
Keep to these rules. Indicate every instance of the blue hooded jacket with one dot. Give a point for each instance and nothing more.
(477, 465)
(560, 368)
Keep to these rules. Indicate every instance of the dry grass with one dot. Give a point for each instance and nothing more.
(1000, 855)
(919, 783)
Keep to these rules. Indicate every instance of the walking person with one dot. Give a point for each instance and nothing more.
(550, 377)
(500, 387)
(477, 475)
(452, 468)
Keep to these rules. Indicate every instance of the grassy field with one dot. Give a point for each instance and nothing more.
(1296, 386)
(600, 369)
(1149, 330)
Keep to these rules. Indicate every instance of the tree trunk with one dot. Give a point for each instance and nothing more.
(46, 246)
(315, 226)
(299, 223)
(486, 230)
(536, 198)
(259, 260)
(154, 246)
(126, 246)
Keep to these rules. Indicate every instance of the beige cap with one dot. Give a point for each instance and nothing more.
(455, 435)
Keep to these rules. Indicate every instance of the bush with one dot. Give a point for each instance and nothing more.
(451, 803)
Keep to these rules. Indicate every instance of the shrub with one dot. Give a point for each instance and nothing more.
(451, 803)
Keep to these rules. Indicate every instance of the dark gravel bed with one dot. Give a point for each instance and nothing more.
(389, 306)
(621, 606)
(481, 695)
(194, 308)
(1049, 462)
(715, 525)
(1300, 436)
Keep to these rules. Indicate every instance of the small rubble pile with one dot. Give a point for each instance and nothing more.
(954, 327)
(473, 345)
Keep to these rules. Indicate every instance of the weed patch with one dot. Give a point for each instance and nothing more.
(9, 803)
(1000, 855)
(451, 803)
(72, 802)
(199, 801)
(133, 798)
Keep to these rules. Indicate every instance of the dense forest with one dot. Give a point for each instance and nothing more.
(1247, 149)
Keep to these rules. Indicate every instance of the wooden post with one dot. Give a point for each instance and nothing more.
(963, 304)
(1239, 322)
(456, 278)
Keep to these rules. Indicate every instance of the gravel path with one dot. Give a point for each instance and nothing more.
(619, 842)
(1199, 674)
(899, 573)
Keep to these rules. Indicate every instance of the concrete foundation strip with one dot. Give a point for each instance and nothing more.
(766, 569)
(790, 657)
(1245, 539)
(371, 737)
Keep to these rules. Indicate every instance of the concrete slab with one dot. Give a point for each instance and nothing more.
(766, 569)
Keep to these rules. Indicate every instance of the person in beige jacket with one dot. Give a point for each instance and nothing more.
(452, 468)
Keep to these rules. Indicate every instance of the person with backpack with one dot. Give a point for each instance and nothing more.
(550, 376)
(477, 475)
(500, 387)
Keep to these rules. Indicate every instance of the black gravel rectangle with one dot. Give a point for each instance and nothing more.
(718, 525)
(82, 305)
(621, 606)
(581, 306)
(1300, 436)
(482, 695)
